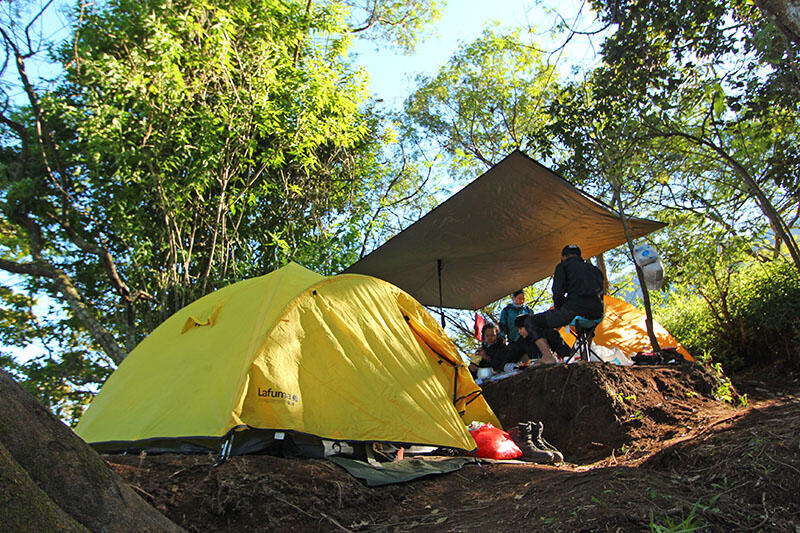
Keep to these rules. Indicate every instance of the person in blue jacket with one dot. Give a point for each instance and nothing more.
(510, 312)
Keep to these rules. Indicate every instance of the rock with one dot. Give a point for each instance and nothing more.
(50, 480)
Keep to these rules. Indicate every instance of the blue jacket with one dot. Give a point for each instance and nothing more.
(507, 316)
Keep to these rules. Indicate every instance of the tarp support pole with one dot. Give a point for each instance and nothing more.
(439, 275)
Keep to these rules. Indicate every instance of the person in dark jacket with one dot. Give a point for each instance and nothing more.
(577, 291)
(493, 352)
(538, 343)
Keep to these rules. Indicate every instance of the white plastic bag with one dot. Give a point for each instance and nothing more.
(653, 275)
(608, 355)
(644, 254)
(483, 374)
(647, 259)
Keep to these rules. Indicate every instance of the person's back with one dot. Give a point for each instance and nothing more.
(577, 291)
(578, 285)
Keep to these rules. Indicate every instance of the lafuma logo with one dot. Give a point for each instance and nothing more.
(270, 394)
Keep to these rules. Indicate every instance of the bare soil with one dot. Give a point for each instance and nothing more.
(646, 448)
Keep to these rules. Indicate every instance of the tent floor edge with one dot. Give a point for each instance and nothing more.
(245, 440)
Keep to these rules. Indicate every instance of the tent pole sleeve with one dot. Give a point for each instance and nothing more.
(439, 275)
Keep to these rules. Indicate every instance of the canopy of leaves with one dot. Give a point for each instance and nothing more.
(714, 88)
(489, 99)
(190, 144)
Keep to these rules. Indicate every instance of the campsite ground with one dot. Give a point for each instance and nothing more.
(647, 448)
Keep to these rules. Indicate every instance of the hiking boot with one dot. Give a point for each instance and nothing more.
(538, 439)
(521, 435)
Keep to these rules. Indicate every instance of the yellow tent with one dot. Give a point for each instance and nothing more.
(623, 326)
(344, 358)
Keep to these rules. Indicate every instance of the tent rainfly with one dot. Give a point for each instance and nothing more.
(291, 354)
(624, 327)
(503, 231)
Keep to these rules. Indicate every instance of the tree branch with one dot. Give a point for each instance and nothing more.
(778, 225)
(63, 283)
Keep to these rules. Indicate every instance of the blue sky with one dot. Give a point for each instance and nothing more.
(462, 21)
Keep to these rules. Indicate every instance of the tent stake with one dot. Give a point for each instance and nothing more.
(439, 275)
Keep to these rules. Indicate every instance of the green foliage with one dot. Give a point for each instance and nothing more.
(399, 22)
(489, 99)
(17, 323)
(741, 317)
(723, 391)
(225, 122)
(622, 398)
(63, 379)
(189, 144)
(721, 112)
(686, 524)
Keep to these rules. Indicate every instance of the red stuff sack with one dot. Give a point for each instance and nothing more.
(494, 443)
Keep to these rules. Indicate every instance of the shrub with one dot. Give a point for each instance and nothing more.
(746, 317)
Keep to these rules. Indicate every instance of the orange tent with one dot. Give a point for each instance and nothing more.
(624, 327)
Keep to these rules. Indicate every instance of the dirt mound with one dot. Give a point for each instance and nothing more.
(647, 448)
(593, 411)
(255, 492)
(684, 459)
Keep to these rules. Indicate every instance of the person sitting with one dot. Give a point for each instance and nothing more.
(493, 352)
(577, 291)
(508, 314)
(539, 344)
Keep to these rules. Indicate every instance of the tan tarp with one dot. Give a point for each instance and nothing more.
(503, 231)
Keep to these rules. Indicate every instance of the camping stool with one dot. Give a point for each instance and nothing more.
(584, 333)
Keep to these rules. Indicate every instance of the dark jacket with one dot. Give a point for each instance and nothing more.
(578, 286)
(499, 354)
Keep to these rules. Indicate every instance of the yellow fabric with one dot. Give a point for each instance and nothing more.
(469, 400)
(334, 357)
(623, 326)
(202, 319)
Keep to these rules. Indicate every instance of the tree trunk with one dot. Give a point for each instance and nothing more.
(98, 332)
(617, 188)
(69, 485)
(645, 293)
(26, 507)
(601, 264)
(785, 14)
